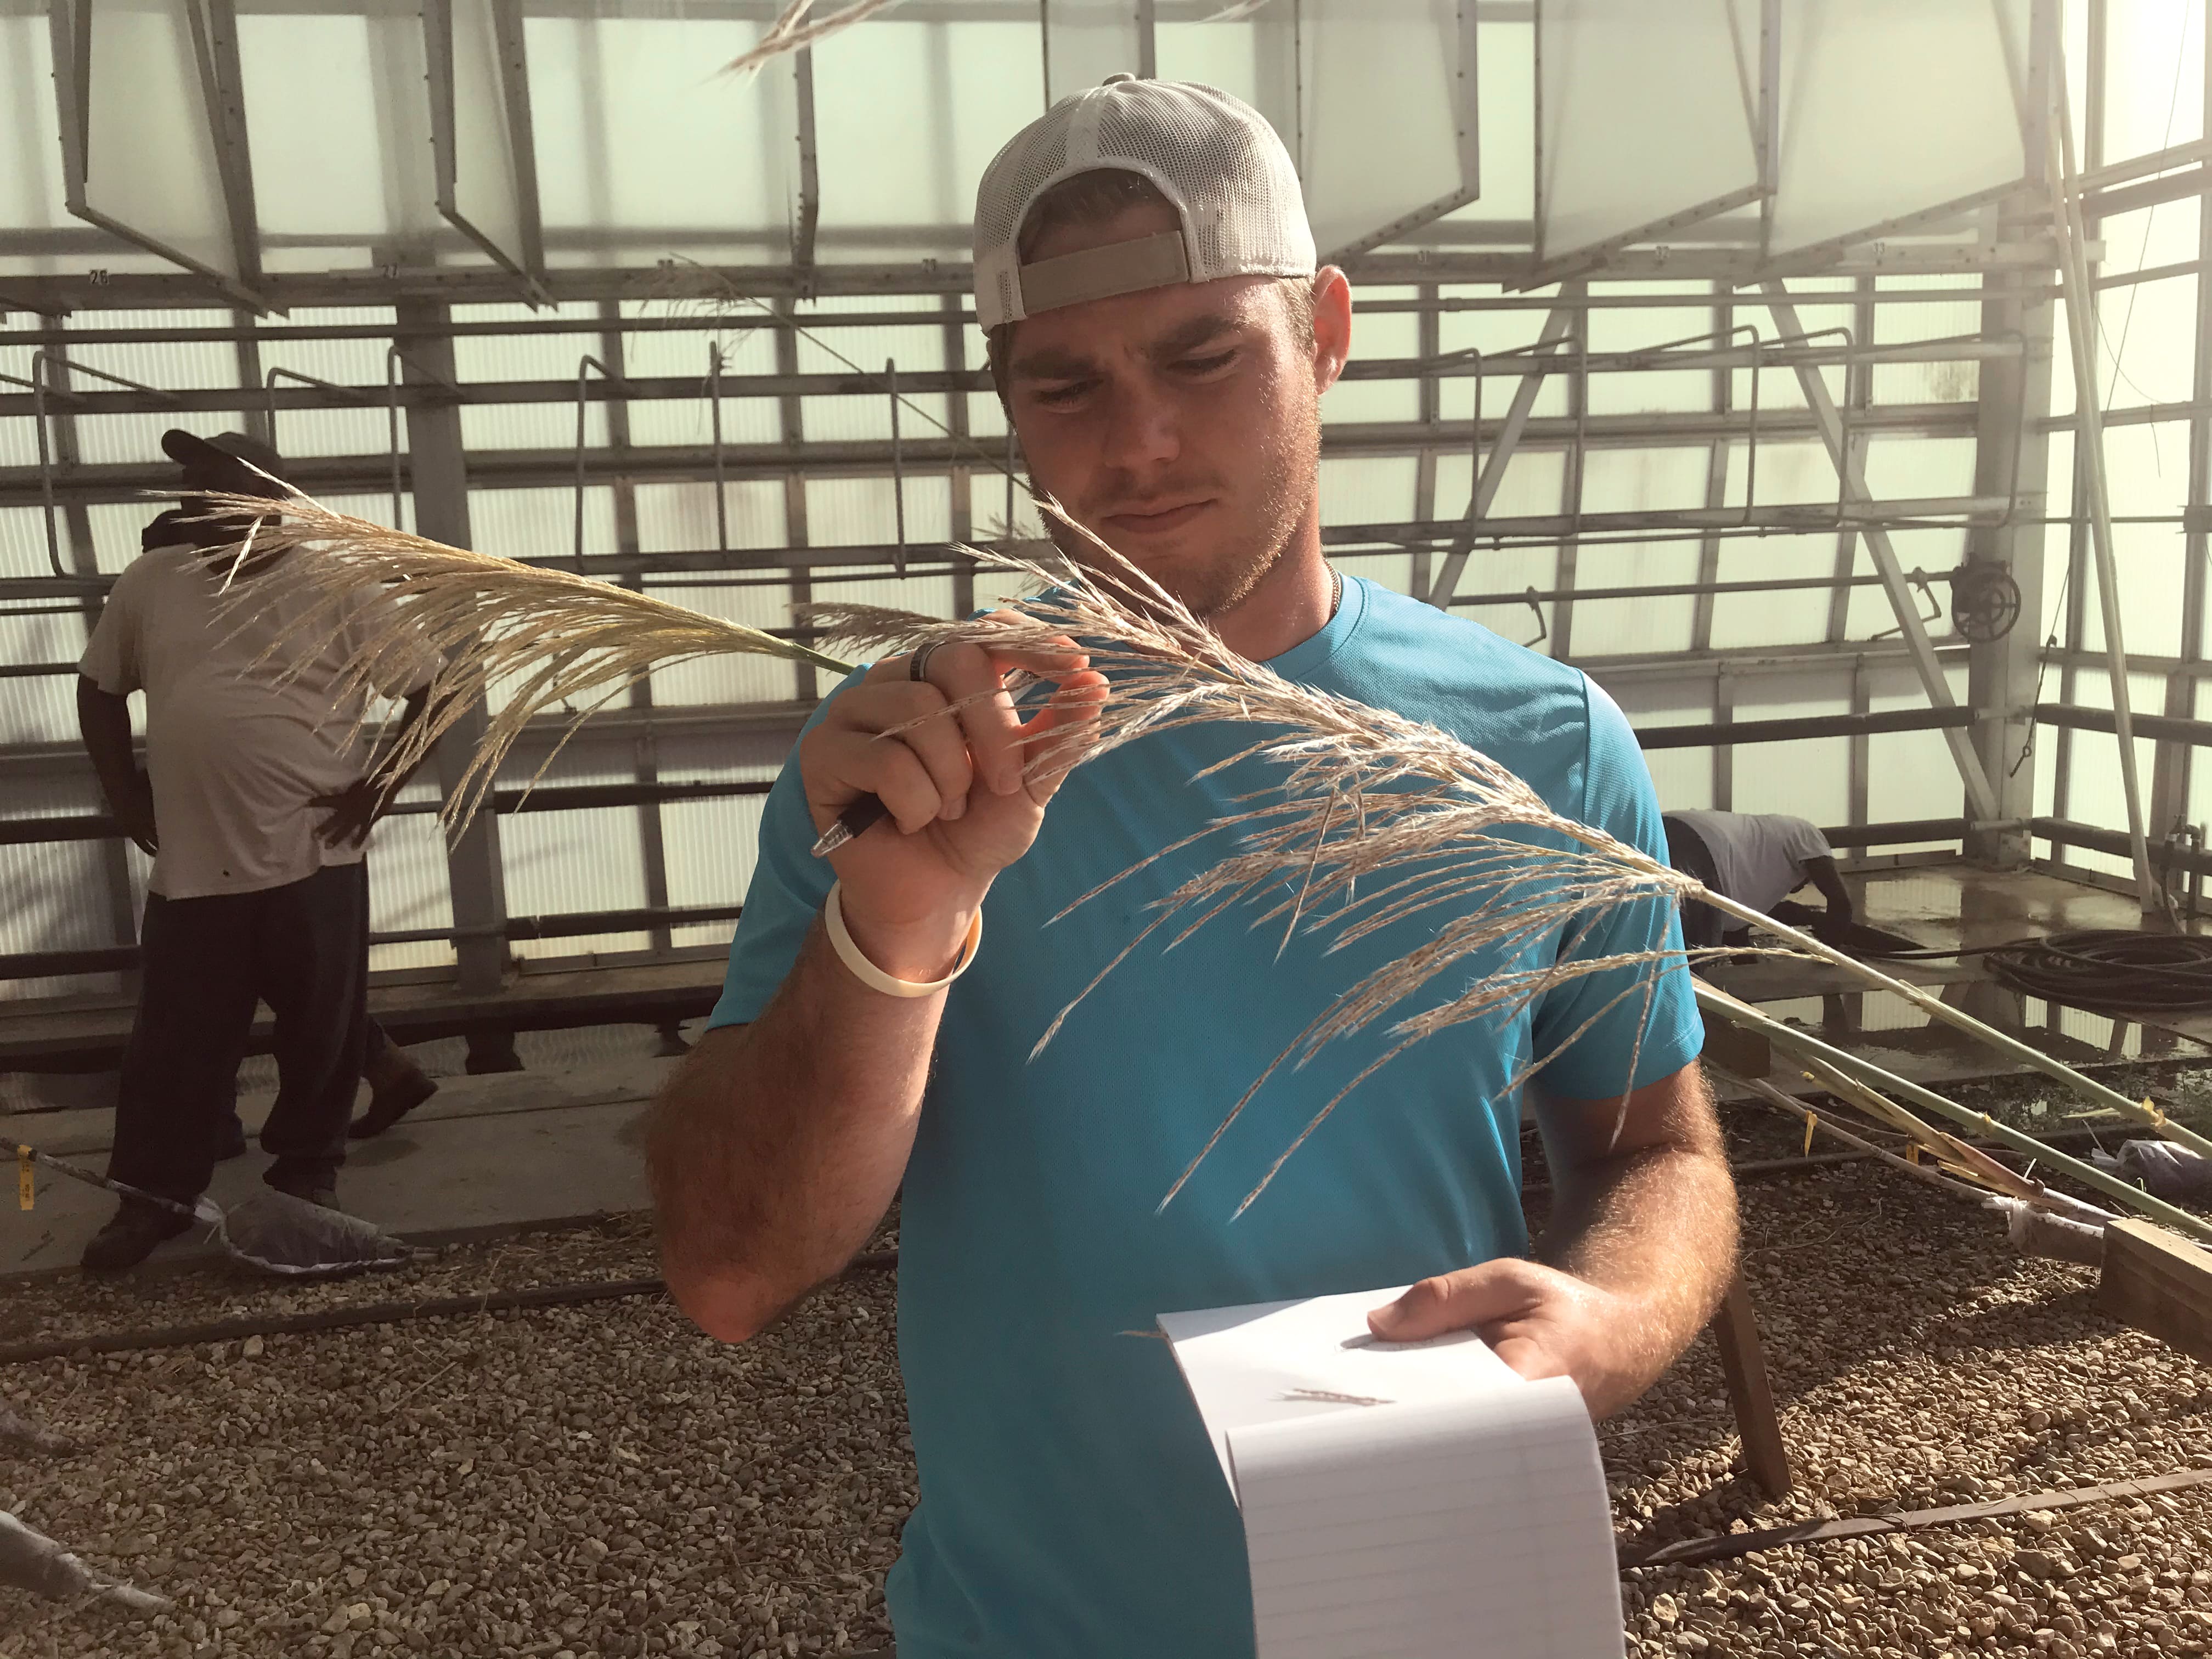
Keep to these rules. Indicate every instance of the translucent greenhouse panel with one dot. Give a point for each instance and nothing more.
(2147, 471)
(681, 517)
(497, 357)
(33, 194)
(1640, 626)
(1533, 483)
(540, 524)
(1387, 130)
(1493, 333)
(1649, 119)
(1792, 616)
(2154, 52)
(1892, 109)
(865, 512)
(763, 602)
(1377, 336)
(712, 846)
(39, 707)
(683, 354)
(144, 145)
(2095, 793)
(47, 883)
(1370, 96)
(1910, 775)
(1087, 40)
(2140, 357)
(574, 863)
(1808, 778)
(369, 173)
(644, 152)
(475, 48)
(907, 114)
(1361, 489)
(23, 550)
(408, 884)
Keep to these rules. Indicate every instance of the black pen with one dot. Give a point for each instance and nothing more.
(862, 816)
(866, 812)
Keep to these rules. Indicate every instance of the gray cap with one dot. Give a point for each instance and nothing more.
(1214, 158)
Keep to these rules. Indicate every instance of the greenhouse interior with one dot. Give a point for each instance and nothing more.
(1602, 604)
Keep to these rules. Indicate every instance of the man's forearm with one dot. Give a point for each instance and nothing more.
(777, 1148)
(1653, 1224)
(1660, 1230)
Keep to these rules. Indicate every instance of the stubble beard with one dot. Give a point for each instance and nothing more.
(1237, 568)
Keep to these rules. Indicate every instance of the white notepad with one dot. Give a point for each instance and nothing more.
(1413, 1500)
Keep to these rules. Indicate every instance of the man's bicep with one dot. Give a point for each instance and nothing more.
(1634, 1022)
(1673, 1113)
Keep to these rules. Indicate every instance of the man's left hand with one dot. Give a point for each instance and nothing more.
(1540, 1322)
(353, 810)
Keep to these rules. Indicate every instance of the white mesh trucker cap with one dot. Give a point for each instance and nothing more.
(1216, 159)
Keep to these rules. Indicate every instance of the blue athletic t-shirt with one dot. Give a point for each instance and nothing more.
(1071, 1505)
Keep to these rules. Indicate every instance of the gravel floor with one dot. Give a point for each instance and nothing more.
(601, 1480)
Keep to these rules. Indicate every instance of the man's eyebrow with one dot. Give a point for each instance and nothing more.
(1190, 336)
(1053, 363)
(1060, 363)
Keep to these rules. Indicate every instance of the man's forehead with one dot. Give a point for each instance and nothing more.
(1149, 323)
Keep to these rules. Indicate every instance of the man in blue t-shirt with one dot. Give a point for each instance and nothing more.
(1161, 338)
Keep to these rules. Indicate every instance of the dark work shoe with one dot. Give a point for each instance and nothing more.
(312, 1182)
(395, 1088)
(129, 1237)
(230, 1140)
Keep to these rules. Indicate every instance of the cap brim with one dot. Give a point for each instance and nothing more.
(190, 449)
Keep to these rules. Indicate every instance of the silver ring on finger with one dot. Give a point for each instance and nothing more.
(917, 666)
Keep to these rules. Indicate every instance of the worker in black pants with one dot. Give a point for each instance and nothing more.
(256, 807)
(205, 965)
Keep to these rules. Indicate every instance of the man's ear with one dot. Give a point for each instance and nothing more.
(1332, 314)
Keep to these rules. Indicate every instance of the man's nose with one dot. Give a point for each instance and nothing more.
(1144, 430)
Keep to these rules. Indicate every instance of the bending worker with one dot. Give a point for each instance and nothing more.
(1161, 339)
(257, 813)
(1757, 859)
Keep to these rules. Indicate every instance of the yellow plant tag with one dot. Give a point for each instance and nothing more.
(26, 1191)
(1811, 1124)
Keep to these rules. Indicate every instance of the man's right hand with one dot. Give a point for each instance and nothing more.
(135, 814)
(960, 809)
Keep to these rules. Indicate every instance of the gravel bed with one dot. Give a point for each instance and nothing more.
(52, 1306)
(1920, 1364)
(600, 1479)
(603, 1479)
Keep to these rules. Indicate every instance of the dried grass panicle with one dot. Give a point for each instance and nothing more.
(528, 639)
(791, 33)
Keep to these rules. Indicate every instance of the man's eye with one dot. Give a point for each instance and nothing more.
(1064, 396)
(1207, 365)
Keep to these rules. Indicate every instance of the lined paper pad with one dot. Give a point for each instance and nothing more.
(1464, 1515)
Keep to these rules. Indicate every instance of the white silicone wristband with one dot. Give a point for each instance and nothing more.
(841, 941)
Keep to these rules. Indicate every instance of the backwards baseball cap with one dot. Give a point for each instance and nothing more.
(1215, 159)
(221, 453)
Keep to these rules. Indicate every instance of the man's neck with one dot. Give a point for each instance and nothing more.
(1288, 606)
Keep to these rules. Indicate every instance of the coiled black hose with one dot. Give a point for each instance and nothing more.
(2110, 968)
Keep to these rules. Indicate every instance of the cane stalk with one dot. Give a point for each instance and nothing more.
(1803, 1044)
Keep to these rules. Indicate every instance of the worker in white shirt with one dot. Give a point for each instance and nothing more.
(256, 806)
(1757, 859)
